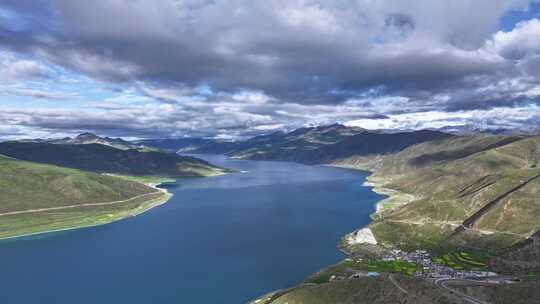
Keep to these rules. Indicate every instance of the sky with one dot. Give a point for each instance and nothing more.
(239, 68)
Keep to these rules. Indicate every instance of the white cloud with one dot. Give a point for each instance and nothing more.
(251, 97)
(309, 15)
(16, 69)
(522, 41)
(525, 118)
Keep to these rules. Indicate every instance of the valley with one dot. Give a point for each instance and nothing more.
(457, 224)
(446, 194)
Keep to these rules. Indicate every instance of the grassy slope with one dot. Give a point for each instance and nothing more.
(523, 257)
(440, 184)
(26, 186)
(365, 290)
(381, 290)
(100, 158)
(453, 179)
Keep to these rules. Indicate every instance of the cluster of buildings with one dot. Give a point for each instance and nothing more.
(426, 268)
(429, 269)
(417, 256)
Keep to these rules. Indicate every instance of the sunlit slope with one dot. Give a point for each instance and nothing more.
(487, 185)
(38, 197)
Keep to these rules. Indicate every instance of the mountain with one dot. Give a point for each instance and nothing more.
(182, 145)
(90, 138)
(360, 143)
(470, 201)
(477, 191)
(295, 145)
(522, 257)
(106, 159)
(39, 197)
(313, 145)
(305, 139)
(401, 289)
(447, 191)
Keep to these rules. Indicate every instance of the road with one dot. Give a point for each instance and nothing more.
(443, 283)
(78, 206)
(393, 280)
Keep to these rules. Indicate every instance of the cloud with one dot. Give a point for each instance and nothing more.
(235, 68)
(225, 116)
(13, 68)
(525, 119)
(520, 43)
(301, 51)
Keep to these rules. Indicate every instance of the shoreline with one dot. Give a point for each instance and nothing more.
(166, 196)
(393, 199)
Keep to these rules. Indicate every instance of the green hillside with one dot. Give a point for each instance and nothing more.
(38, 197)
(105, 159)
(402, 290)
(474, 191)
(472, 201)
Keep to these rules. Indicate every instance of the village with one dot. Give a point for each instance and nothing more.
(426, 268)
(429, 269)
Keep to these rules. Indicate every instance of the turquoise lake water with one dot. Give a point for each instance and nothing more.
(223, 239)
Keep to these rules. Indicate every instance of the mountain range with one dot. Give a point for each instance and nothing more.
(89, 138)
(445, 193)
(106, 159)
(474, 194)
(310, 145)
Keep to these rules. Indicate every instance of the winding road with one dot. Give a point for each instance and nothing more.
(393, 280)
(443, 283)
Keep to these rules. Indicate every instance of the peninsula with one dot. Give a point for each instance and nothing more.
(57, 186)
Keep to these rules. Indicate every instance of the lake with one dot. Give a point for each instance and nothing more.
(224, 239)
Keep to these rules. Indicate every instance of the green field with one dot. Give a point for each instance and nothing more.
(349, 267)
(464, 260)
(402, 267)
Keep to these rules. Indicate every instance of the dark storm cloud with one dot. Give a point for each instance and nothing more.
(297, 51)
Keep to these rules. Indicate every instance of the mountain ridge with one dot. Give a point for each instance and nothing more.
(88, 138)
(105, 159)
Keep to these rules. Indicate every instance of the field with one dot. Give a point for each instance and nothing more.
(403, 267)
(348, 267)
(464, 260)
